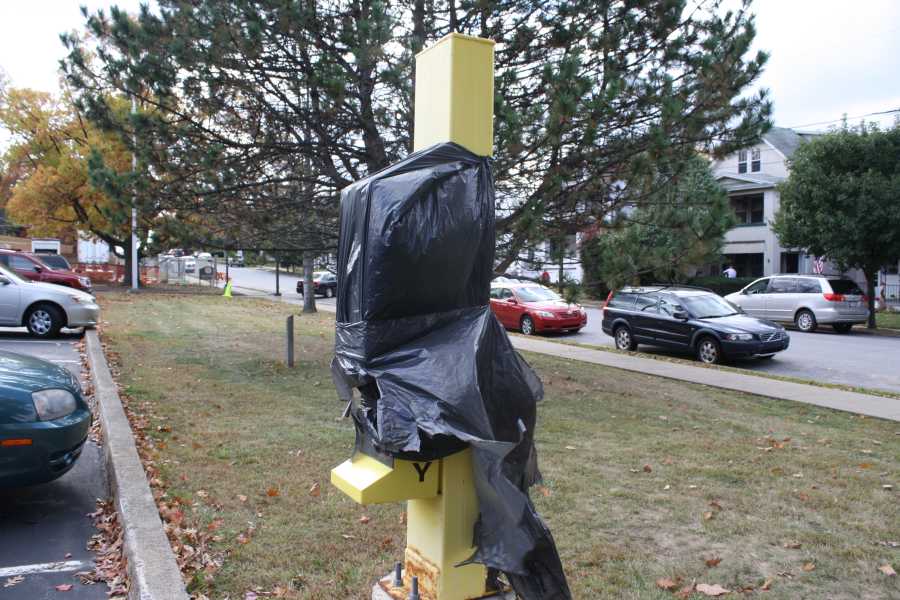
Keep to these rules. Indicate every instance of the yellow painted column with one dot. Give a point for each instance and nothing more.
(454, 103)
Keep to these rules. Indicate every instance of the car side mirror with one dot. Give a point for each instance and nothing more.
(680, 315)
(37, 269)
(4, 281)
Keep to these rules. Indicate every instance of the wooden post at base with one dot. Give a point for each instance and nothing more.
(290, 341)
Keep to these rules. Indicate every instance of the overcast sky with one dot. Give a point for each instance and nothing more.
(828, 57)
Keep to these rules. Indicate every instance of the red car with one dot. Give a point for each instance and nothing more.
(532, 308)
(32, 268)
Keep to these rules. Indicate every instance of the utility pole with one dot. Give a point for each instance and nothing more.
(134, 253)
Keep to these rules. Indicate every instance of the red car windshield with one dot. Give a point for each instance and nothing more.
(536, 294)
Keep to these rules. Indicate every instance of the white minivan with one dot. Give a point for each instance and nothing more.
(807, 301)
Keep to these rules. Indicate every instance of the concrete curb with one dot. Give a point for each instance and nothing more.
(153, 572)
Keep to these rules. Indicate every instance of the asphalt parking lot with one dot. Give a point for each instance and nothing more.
(44, 529)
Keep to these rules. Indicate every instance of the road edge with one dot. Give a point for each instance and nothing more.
(153, 572)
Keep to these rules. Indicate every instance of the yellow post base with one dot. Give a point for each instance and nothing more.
(368, 481)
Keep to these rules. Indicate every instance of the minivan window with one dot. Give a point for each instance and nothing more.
(783, 285)
(809, 286)
(622, 300)
(845, 286)
(758, 287)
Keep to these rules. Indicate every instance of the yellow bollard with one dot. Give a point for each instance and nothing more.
(454, 103)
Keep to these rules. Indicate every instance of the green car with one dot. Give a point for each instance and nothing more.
(44, 420)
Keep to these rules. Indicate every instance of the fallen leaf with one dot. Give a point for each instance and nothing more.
(707, 515)
(63, 587)
(685, 592)
(272, 492)
(865, 465)
(767, 585)
(712, 590)
(712, 562)
(668, 487)
(792, 545)
(667, 584)
(315, 490)
(716, 505)
(571, 448)
(241, 498)
(887, 570)
(808, 567)
(348, 537)
(203, 493)
(364, 519)
(545, 492)
(648, 469)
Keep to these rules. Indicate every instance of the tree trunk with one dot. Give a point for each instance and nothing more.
(871, 274)
(309, 294)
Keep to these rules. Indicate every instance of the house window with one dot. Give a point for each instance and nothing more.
(742, 161)
(755, 163)
(790, 262)
(746, 265)
(749, 209)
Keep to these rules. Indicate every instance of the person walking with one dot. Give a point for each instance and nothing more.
(729, 272)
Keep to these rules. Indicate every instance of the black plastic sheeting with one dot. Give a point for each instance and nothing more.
(435, 370)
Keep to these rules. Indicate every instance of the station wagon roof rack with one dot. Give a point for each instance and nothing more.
(658, 287)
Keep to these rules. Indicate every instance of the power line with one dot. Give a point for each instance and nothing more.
(872, 114)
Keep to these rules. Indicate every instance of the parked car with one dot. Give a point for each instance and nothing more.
(55, 261)
(43, 308)
(31, 267)
(44, 420)
(532, 308)
(190, 265)
(324, 283)
(807, 301)
(689, 319)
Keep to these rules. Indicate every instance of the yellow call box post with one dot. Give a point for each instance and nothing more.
(454, 103)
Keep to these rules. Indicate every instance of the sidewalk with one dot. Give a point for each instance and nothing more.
(854, 402)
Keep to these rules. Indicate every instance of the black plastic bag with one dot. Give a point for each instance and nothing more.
(435, 370)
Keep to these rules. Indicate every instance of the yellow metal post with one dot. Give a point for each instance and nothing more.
(454, 103)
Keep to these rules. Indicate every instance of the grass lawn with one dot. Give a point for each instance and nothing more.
(645, 478)
(888, 319)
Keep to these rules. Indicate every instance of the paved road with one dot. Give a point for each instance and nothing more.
(41, 525)
(855, 359)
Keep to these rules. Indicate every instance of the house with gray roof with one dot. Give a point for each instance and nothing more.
(750, 177)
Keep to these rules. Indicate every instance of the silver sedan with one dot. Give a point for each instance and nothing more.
(44, 308)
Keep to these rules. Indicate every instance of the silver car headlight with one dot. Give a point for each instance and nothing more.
(739, 337)
(53, 404)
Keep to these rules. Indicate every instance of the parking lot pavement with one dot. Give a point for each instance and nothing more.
(44, 529)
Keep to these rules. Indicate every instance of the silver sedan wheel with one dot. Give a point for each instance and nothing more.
(40, 322)
(328, 293)
(623, 339)
(708, 352)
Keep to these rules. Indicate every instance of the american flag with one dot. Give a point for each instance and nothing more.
(818, 265)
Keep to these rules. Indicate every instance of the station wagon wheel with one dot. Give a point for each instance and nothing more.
(44, 321)
(329, 292)
(805, 321)
(527, 325)
(623, 338)
(709, 352)
(843, 327)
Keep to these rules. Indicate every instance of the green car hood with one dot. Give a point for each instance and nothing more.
(20, 376)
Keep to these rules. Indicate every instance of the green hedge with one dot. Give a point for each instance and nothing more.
(722, 285)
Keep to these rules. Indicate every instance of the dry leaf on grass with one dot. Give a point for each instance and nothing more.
(792, 545)
(364, 519)
(708, 515)
(648, 469)
(241, 498)
(712, 590)
(767, 585)
(809, 567)
(713, 562)
(887, 570)
(668, 584)
(685, 592)
(545, 491)
(314, 491)
(272, 492)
